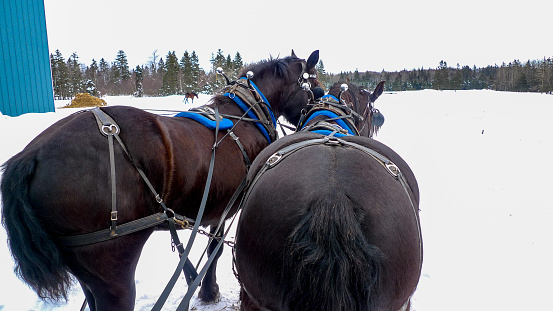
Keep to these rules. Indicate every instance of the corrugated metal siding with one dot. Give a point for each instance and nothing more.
(25, 75)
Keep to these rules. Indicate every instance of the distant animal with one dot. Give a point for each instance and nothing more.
(61, 188)
(190, 95)
(329, 221)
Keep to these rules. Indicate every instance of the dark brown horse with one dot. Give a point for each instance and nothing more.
(190, 95)
(329, 222)
(362, 101)
(59, 186)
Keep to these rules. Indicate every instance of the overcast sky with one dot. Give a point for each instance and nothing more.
(360, 34)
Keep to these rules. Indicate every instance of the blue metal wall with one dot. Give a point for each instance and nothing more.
(25, 75)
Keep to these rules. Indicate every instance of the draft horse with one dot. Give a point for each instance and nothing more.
(190, 95)
(329, 222)
(361, 100)
(58, 187)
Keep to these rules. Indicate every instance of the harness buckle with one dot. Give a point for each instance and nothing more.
(114, 215)
(231, 133)
(393, 169)
(273, 160)
(159, 199)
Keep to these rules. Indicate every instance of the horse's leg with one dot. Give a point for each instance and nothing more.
(209, 292)
(106, 271)
(89, 297)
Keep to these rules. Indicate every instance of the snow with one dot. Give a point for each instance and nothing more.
(482, 160)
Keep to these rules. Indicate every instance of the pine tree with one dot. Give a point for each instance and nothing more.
(138, 77)
(76, 83)
(91, 72)
(90, 88)
(218, 60)
(237, 63)
(216, 82)
(456, 82)
(170, 84)
(60, 75)
(123, 65)
(321, 74)
(103, 76)
(186, 72)
(196, 73)
(441, 78)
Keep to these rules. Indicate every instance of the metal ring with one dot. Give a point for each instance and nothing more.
(110, 129)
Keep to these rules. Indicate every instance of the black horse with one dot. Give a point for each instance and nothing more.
(329, 222)
(362, 101)
(59, 186)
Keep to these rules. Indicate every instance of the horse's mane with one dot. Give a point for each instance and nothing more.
(280, 67)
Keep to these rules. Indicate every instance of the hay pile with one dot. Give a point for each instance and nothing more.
(86, 100)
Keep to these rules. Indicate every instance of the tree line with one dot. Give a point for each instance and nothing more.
(531, 76)
(159, 77)
(169, 75)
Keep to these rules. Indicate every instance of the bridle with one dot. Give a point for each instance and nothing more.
(335, 109)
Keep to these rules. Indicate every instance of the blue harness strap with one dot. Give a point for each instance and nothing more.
(250, 113)
(331, 114)
(224, 124)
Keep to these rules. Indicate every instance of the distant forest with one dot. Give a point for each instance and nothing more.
(169, 75)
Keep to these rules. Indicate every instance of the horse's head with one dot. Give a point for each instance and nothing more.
(281, 80)
(362, 101)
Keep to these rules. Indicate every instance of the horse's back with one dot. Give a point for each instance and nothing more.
(299, 201)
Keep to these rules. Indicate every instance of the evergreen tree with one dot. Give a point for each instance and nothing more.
(196, 73)
(441, 78)
(91, 72)
(90, 88)
(76, 83)
(321, 74)
(122, 65)
(228, 68)
(456, 82)
(218, 60)
(186, 72)
(138, 78)
(217, 82)
(103, 76)
(60, 75)
(237, 62)
(170, 84)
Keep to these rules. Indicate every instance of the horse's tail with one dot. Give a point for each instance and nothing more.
(38, 261)
(328, 262)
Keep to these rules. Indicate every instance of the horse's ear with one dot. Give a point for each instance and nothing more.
(378, 91)
(293, 54)
(313, 59)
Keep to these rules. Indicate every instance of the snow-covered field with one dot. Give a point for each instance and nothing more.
(483, 163)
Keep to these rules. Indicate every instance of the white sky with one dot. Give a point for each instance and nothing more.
(390, 35)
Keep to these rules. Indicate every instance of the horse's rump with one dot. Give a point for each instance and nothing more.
(326, 230)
